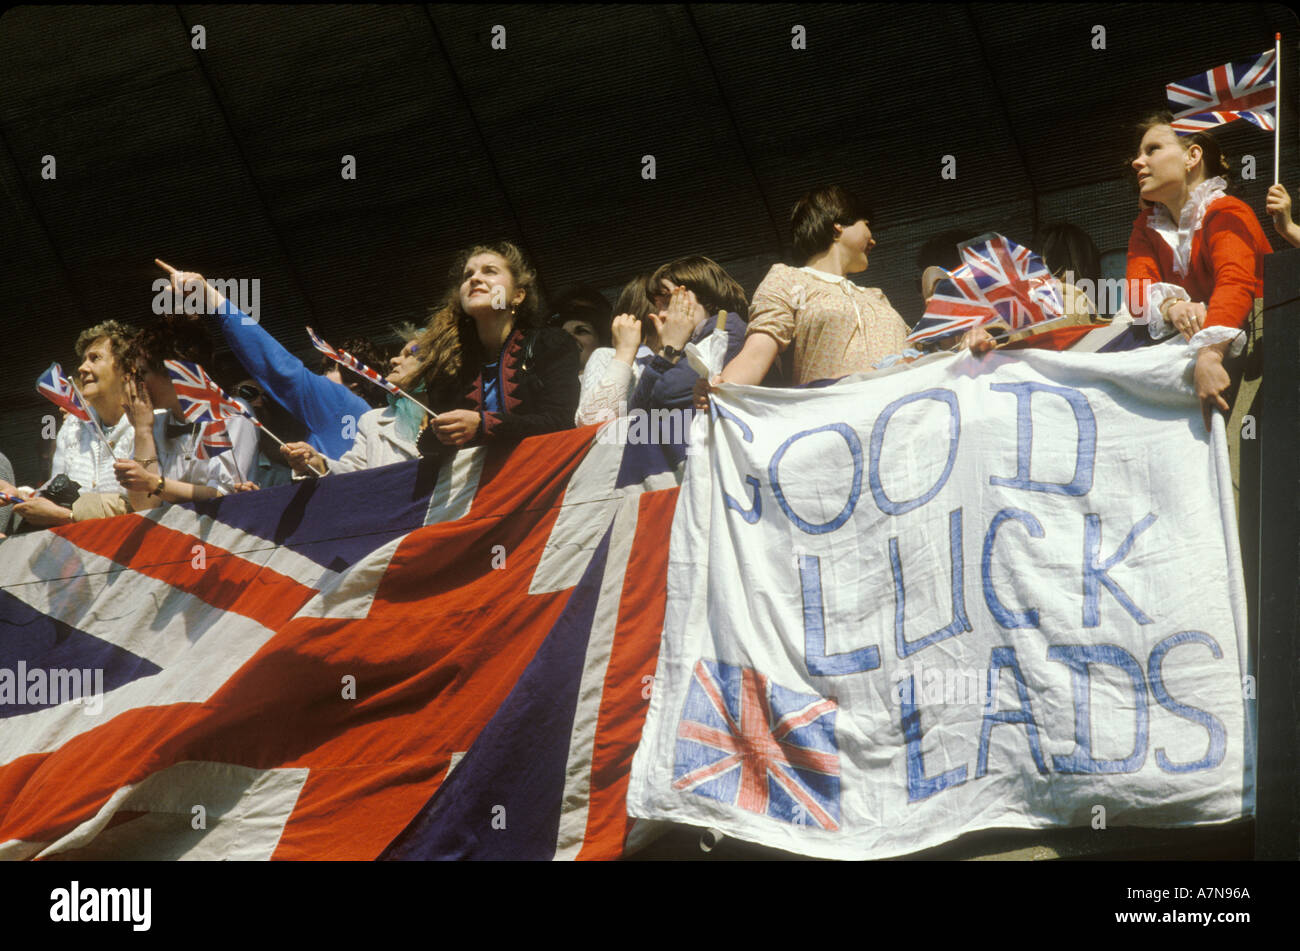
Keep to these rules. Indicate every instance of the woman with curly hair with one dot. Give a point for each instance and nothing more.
(491, 373)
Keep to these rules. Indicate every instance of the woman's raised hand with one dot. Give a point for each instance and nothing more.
(625, 330)
(137, 405)
(1278, 205)
(185, 281)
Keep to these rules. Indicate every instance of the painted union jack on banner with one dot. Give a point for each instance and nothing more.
(58, 389)
(201, 399)
(746, 741)
(1245, 90)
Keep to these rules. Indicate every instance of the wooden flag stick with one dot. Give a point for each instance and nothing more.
(258, 424)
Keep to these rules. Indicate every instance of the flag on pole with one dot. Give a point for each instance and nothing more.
(201, 399)
(1245, 90)
(346, 359)
(58, 389)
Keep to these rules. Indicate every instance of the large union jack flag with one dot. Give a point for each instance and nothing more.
(343, 358)
(333, 677)
(1000, 284)
(60, 391)
(747, 741)
(1245, 90)
(201, 399)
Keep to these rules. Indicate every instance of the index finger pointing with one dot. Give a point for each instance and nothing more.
(165, 266)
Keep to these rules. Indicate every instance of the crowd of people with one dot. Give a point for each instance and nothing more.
(491, 367)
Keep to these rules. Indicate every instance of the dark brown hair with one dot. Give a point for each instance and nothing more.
(171, 337)
(816, 214)
(714, 288)
(634, 298)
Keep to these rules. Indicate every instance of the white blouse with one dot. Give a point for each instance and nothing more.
(607, 385)
(80, 453)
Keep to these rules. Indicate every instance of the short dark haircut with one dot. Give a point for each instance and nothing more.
(1068, 248)
(635, 298)
(372, 355)
(171, 337)
(714, 288)
(816, 214)
(941, 250)
(583, 302)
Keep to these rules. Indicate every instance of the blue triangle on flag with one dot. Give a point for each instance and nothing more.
(40, 642)
(502, 801)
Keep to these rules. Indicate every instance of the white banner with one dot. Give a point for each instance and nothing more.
(960, 595)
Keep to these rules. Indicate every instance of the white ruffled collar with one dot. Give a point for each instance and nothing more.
(1189, 220)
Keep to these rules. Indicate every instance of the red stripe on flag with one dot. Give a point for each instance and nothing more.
(226, 581)
(633, 657)
(445, 642)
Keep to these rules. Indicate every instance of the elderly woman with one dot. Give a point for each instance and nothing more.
(1195, 257)
(80, 452)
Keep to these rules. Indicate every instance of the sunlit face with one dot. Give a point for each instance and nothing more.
(1162, 165)
(857, 240)
(487, 287)
(101, 383)
(583, 332)
(404, 366)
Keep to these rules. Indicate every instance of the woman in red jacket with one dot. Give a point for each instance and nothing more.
(492, 374)
(1195, 257)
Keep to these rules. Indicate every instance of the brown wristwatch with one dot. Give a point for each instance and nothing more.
(162, 480)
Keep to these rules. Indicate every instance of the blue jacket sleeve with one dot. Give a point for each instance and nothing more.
(664, 385)
(317, 401)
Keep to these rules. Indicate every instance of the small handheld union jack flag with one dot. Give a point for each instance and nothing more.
(343, 358)
(955, 306)
(7, 498)
(1013, 280)
(213, 439)
(746, 741)
(59, 390)
(1000, 284)
(201, 399)
(1245, 90)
